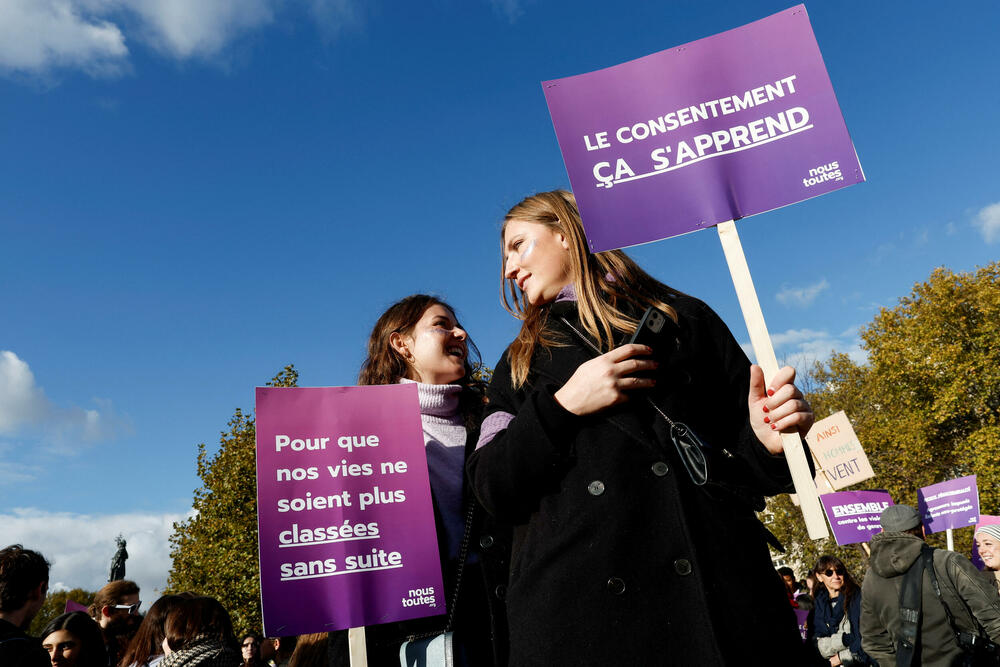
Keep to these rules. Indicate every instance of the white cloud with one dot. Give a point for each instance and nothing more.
(510, 9)
(188, 28)
(801, 296)
(988, 222)
(80, 546)
(801, 347)
(39, 36)
(24, 408)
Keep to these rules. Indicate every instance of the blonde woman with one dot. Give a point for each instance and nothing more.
(634, 518)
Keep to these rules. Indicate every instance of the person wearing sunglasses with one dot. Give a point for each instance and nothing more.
(834, 626)
(631, 474)
(116, 609)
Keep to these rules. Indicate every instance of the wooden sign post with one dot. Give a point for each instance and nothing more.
(795, 455)
(356, 647)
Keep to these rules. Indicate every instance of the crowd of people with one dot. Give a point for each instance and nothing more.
(595, 503)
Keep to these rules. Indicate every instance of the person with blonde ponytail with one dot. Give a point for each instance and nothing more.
(631, 474)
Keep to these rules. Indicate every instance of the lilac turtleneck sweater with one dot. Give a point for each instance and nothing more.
(444, 439)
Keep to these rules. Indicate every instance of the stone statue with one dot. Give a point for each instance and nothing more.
(117, 572)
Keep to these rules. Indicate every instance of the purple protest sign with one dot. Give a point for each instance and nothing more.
(984, 520)
(802, 618)
(346, 525)
(951, 504)
(854, 515)
(718, 129)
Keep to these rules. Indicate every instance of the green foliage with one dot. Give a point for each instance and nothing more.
(926, 404)
(55, 605)
(215, 551)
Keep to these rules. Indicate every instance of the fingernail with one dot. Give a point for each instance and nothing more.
(767, 420)
(773, 427)
(770, 392)
(765, 409)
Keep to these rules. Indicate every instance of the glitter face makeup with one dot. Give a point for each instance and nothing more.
(537, 260)
(436, 347)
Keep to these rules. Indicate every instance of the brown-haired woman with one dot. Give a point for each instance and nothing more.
(623, 551)
(74, 639)
(146, 647)
(198, 632)
(419, 340)
(835, 621)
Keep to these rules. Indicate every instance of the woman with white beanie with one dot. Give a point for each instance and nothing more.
(988, 544)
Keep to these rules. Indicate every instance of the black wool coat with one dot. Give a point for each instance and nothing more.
(618, 558)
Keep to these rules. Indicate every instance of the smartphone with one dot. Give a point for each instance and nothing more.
(659, 331)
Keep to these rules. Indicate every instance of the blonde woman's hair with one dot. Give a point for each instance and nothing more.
(605, 283)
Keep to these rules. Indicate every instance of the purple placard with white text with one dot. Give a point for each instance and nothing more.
(346, 525)
(951, 504)
(718, 129)
(854, 515)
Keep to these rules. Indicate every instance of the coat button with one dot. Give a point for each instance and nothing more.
(501, 591)
(660, 469)
(596, 487)
(616, 586)
(486, 541)
(682, 566)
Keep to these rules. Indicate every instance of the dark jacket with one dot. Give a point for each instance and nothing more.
(480, 620)
(825, 619)
(618, 559)
(962, 588)
(17, 649)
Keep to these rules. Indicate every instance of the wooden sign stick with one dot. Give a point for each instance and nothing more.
(356, 647)
(761, 341)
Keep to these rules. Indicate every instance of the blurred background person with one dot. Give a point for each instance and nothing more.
(988, 545)
(835, 622)
(24, 582)
(116, 610)
(311, 651)
(146, 647)
(250, 644)
(74, 640)
(198, 631)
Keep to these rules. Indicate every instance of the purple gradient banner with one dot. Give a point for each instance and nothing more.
(346, 525)
(718, 129)
(854, 515)
(951, 504)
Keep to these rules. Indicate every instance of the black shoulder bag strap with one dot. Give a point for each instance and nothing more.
(974, 641)
(909, 612)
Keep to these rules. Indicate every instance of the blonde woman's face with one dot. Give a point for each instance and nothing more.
(536, 258)
(989, 550)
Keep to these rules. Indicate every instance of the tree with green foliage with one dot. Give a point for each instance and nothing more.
(215, 551)
(55, 605)
(925, 405)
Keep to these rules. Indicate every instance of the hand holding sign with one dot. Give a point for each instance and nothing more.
(777, 408)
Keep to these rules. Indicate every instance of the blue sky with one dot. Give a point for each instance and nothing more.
(196, 193)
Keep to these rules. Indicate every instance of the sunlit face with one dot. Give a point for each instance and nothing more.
(989, 550)
(435, 348)
(63, 648)
(833, 581)
(536, 259)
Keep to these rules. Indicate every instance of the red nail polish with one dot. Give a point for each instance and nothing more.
(765, 409)
(773, 427)
(770, 392)
(767, 420)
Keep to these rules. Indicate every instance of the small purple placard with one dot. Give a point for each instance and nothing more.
(802, 618)
(951, 504)
(854, 515)
(718, 129)
(346, 525)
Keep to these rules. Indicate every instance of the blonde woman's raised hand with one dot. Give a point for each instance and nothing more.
(778, 407)
(606, 380)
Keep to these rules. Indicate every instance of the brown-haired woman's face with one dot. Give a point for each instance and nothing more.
(435, 348)
(536, 258)
(63, 648)
(833, 577)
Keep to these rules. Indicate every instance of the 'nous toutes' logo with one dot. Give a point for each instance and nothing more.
(420, 596)
(823, 173)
